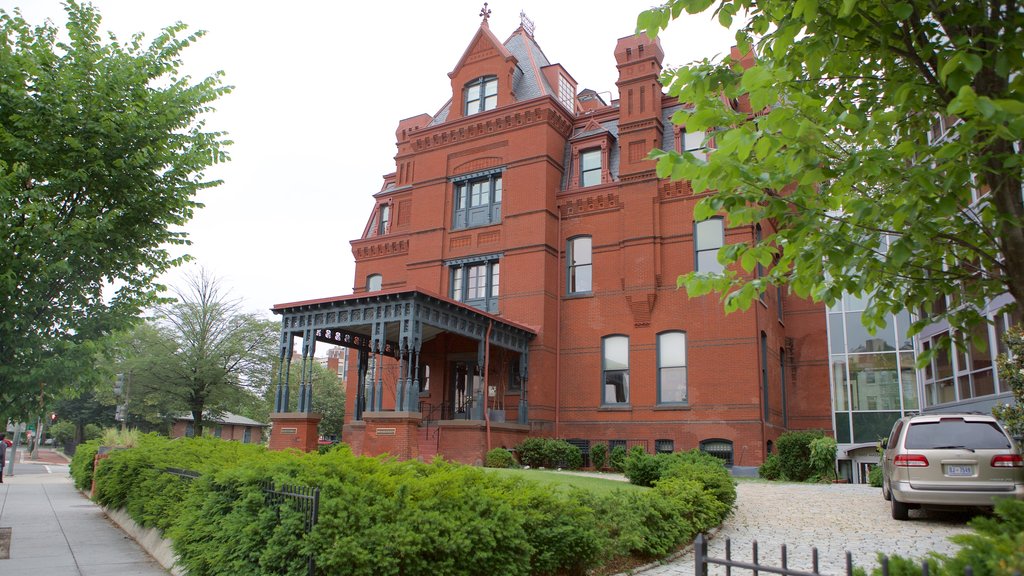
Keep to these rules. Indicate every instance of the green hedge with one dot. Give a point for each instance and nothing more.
(380, 516)
(549, 453)
(708, 471)
(795, 454)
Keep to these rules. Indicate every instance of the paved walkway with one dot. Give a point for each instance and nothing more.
(55, 531)
(832, 517)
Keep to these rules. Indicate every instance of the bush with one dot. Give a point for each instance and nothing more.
(598, 456)
(875, 476)
(549, 453)
(771, 469)
(641, 468)
(617, 459)
(795, 454)
(823, 459)
(380, 516)
(499, 458)
(82, 463)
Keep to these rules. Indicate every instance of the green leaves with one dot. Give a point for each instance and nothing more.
(103, 152)
(869, 138)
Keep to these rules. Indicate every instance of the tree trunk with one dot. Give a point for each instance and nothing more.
(1005, 188)
(197, 419)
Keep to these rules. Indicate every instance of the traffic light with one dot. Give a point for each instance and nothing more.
(53, 417)
(119, 385)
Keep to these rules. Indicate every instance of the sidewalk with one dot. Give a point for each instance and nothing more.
(56, 531)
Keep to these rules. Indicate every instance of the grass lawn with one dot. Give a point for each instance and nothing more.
(564, 481)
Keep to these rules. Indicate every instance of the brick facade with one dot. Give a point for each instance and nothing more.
(642, 238)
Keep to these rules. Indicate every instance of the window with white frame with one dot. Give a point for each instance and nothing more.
(384, 219)
(566, 94)
(708, 238)
(579, 260)
(477, 201)
(672, 388)
(481, 95)
(590, 167)
(693, 142)
(615, 370)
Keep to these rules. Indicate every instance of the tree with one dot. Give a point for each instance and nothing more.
(102, 151)
(328, 398)
(836, 151)
(203, 352)
(1011, 375)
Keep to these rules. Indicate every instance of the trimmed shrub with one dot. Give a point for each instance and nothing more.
(617, 459)
(771, 469)
(641, 468)
(795, 454)
(499, 458)
(549, 453)
(82, 462)
(598, 456)
(875, 476)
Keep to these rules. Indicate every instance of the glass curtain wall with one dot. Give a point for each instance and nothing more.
(873, 378)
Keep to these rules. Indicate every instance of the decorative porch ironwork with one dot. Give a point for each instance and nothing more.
(394, 324)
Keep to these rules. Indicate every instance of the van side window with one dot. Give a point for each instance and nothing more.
(894, 436)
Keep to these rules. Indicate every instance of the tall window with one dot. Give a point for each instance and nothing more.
(476, 283)
(481, 95)
(374, 282)
(764, 373)
(782, 385)
(615, 370)
(693, 142)
(477, 201)
(590, 167)
(384, 220)
(580, 265)
(247, 435)
(566, 94)
(672, 368)
(708, 237)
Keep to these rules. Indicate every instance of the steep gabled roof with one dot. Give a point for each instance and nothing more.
(527, 80)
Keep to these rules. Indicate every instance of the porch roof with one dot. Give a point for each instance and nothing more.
(354, 315)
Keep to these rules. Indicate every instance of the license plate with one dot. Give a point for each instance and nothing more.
(959, 470)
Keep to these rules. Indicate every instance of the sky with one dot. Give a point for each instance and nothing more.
(319, 89)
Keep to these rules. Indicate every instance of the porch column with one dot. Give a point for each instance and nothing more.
(523, 415)
(479, 394)
(306, 383)
(285, 362)
(408, 390)
(377, 349)
(361, 367)
(413, 400)
(403, 372)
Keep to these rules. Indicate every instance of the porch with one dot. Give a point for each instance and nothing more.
(432, 376)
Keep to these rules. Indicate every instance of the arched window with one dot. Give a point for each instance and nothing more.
(481, 95)
(580, 264)
(374, 282)
(672, 383)
(719, 448)
(614, 370)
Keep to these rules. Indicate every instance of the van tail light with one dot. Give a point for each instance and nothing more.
(911, 460)
(1007, 461)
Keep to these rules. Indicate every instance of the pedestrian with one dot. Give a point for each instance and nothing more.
(3, 455)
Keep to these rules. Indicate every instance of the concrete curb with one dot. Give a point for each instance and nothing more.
(150, 539)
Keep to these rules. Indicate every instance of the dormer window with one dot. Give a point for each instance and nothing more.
(481, 95)
(590, 167)
(384, 219)
(693, 142)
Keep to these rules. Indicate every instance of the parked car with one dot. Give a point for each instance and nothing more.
(949, 461)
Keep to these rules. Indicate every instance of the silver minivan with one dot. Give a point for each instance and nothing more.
(949, 460)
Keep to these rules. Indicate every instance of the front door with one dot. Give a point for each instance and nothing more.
(465, 380)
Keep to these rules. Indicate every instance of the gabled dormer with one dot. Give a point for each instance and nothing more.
(483, 78)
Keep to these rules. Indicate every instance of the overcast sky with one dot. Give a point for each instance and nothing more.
(320, 87)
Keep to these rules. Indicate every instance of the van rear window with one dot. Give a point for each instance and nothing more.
(954, 432)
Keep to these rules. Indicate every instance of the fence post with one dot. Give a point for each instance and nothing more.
(700, 555)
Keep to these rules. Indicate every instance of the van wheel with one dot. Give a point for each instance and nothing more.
(900, 511)
(886, 494)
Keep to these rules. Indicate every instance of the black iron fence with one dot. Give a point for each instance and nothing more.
(754, 566)
(303, 499)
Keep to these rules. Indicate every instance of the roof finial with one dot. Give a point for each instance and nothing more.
(526, 23)
(485, 13)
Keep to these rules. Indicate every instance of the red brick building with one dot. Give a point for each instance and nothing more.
(524, 213)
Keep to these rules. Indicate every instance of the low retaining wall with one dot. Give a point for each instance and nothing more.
(151, 540)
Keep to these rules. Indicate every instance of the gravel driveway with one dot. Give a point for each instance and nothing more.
(832, 517)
